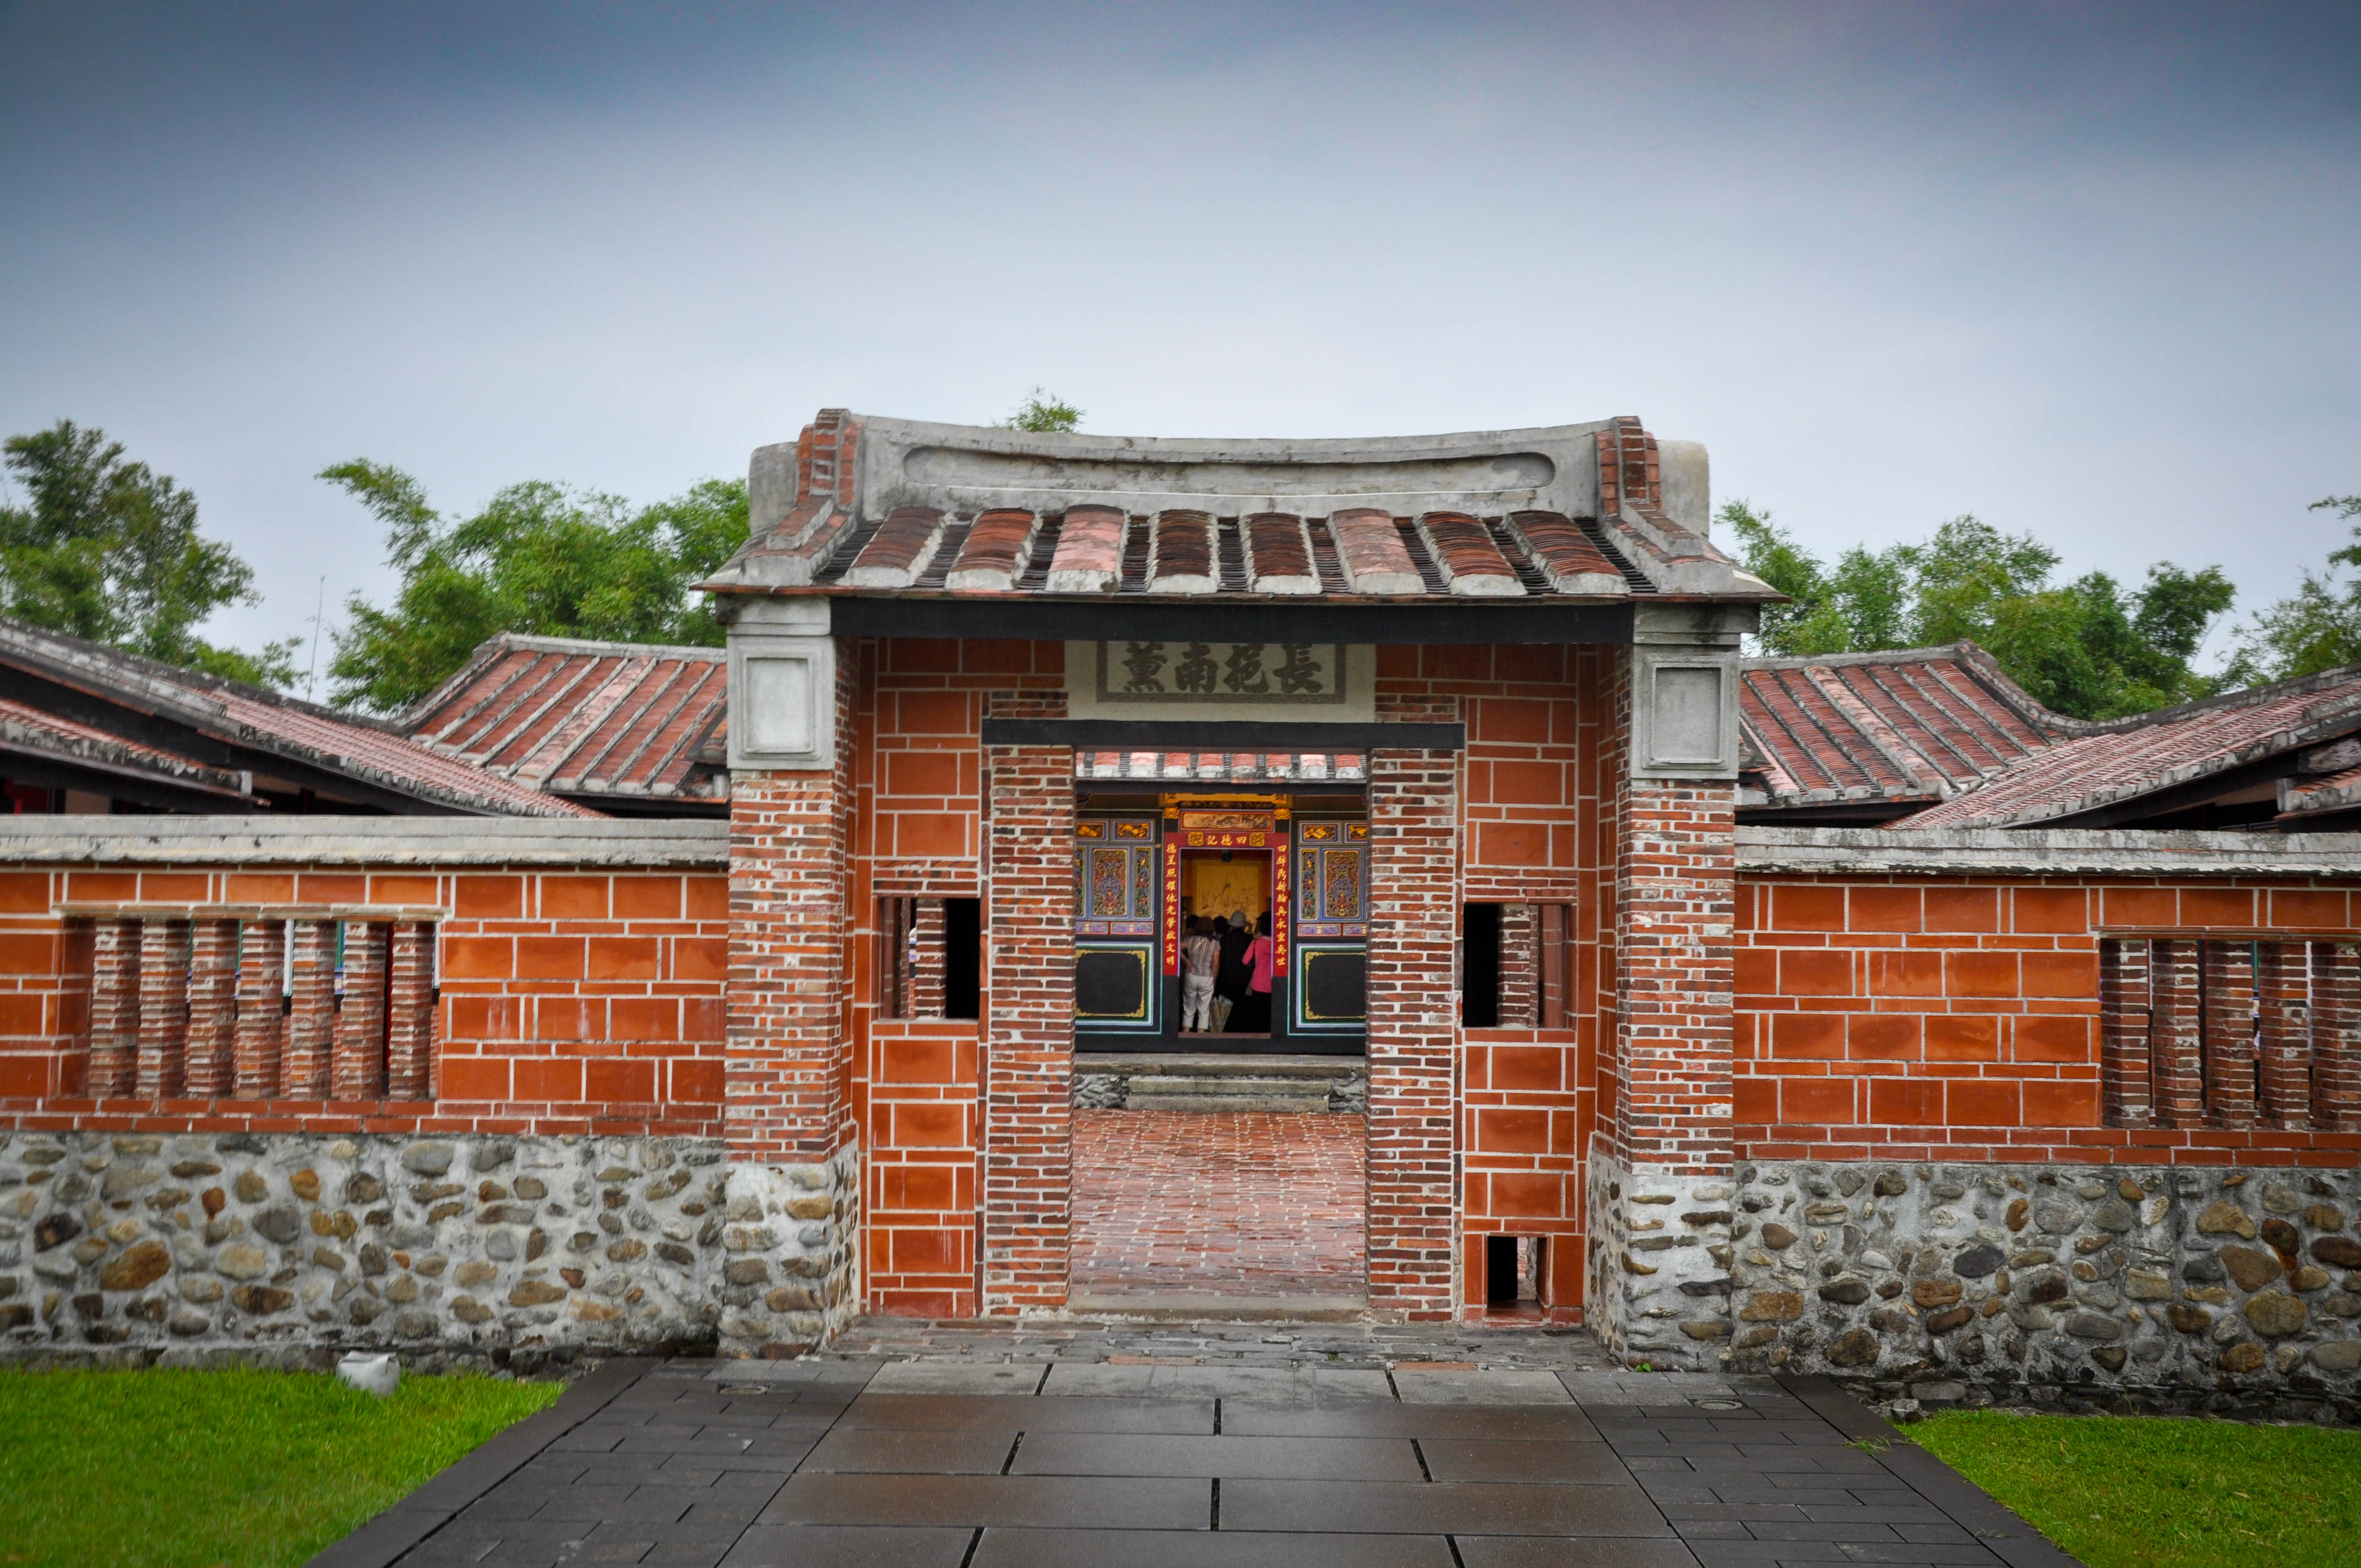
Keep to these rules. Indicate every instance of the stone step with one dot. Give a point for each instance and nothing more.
(1208, 1065)
(1175, 1084)
(1205, 1104)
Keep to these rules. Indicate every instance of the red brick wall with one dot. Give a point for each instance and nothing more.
(1673, 1055)
(1939, 1018)
(1538, 803)
(573, 1001)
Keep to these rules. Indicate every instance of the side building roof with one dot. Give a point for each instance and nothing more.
(624, 727)
(82, 715)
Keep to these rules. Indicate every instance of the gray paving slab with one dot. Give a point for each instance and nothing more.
(1248, 1447)
(1271, 1458)
(1226, 1549)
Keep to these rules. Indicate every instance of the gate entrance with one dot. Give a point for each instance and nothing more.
(1276, 883)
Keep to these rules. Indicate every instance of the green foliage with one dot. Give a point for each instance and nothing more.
(2153, 1492)
(2316, 627)
(1041, 411)
(539, 560)
(2089, 647)
(109, 551)
(185, 1469)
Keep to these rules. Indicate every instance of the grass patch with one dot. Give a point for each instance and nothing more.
(186, 1469)
(2160, 1492)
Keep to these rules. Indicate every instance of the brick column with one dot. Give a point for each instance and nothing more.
(1519, 966)
(410, 1013)
(356, 1067)
(262, 955)
(925, 968)
(2336, 1036)
(2230, 1034)
(1675, 975)
(212, 1008)
(163, 1008)
(114, 1009)
(311, 1012)
(1413, 1013)
(2124, 1031)
(787, 882)
(2282, 997)
(2176, 1034)
(1028, 1028)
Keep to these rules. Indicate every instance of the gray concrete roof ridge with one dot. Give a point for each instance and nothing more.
(2127, 851)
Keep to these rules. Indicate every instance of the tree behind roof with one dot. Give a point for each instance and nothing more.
(109, 551)
(2316, 627)
(2089, 647)
(539, 560)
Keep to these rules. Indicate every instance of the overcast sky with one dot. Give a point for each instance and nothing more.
(2088, 270)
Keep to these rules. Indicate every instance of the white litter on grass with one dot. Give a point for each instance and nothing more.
(379, 1375)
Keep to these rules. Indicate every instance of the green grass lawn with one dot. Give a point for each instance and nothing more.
(175, 1469)
(2153, 1492)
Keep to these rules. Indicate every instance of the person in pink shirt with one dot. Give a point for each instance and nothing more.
(1261, 954)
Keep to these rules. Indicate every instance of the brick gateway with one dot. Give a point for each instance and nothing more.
(1916, 1104)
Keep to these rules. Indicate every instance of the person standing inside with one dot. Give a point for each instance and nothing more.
(1201, 958)
(1261, 956)
(1230, 978)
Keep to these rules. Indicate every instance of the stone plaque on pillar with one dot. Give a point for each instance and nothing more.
(783, 686)
(1684, 693)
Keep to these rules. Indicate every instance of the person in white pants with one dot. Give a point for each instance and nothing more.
(1201, 955)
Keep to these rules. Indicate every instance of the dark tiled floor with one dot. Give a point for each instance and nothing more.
(824, 1463)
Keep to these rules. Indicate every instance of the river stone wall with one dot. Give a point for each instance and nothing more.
(513, 1250)
(1658, 1271)
(2090, 1286)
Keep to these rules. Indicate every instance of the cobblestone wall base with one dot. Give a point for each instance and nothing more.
(2082, 1286)
(281, 1247)
(1658, 1273)
(790, 1281)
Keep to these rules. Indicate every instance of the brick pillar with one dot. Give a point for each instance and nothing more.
(262, 955)
(163, 1009)
(410, 1013)
(2176, 1034)
(357, 1067)
(2229, 1044)
(925, 967)
(212, 1008)
(114, 1009)
(2283, 997)
(1413, 1013)
(311, 1012)
(1028, 1028)
(1675, 975)
(1519, 966)
(2336, 1036)
(2124, 1031)
(787, 883)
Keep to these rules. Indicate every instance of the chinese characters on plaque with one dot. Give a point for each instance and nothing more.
(1221, 672)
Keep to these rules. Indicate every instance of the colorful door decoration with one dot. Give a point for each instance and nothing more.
(1117, 898)
(1331, 899)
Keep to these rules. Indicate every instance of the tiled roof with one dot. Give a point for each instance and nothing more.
(2098, 766)
(260, 723)
(872, 506)
(28, 731)
(596, 721)
(1910, 725)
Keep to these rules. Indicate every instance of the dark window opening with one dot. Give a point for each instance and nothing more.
(962, 957)
(1480, 966)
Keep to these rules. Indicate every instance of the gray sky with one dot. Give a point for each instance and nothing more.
(2083, 270)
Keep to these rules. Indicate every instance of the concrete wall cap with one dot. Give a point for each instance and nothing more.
(1995, 852)
(366, 840)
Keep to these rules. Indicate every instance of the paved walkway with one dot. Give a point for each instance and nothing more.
(1179, 1205)
(1001, 1462)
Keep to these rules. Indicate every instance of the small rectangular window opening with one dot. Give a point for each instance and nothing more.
(1480, 966)
(962, 957)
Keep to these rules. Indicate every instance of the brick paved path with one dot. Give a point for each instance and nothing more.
(832, 1461)
(1170, 1203)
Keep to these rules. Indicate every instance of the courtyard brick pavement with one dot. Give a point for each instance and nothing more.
(1189, 1205)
